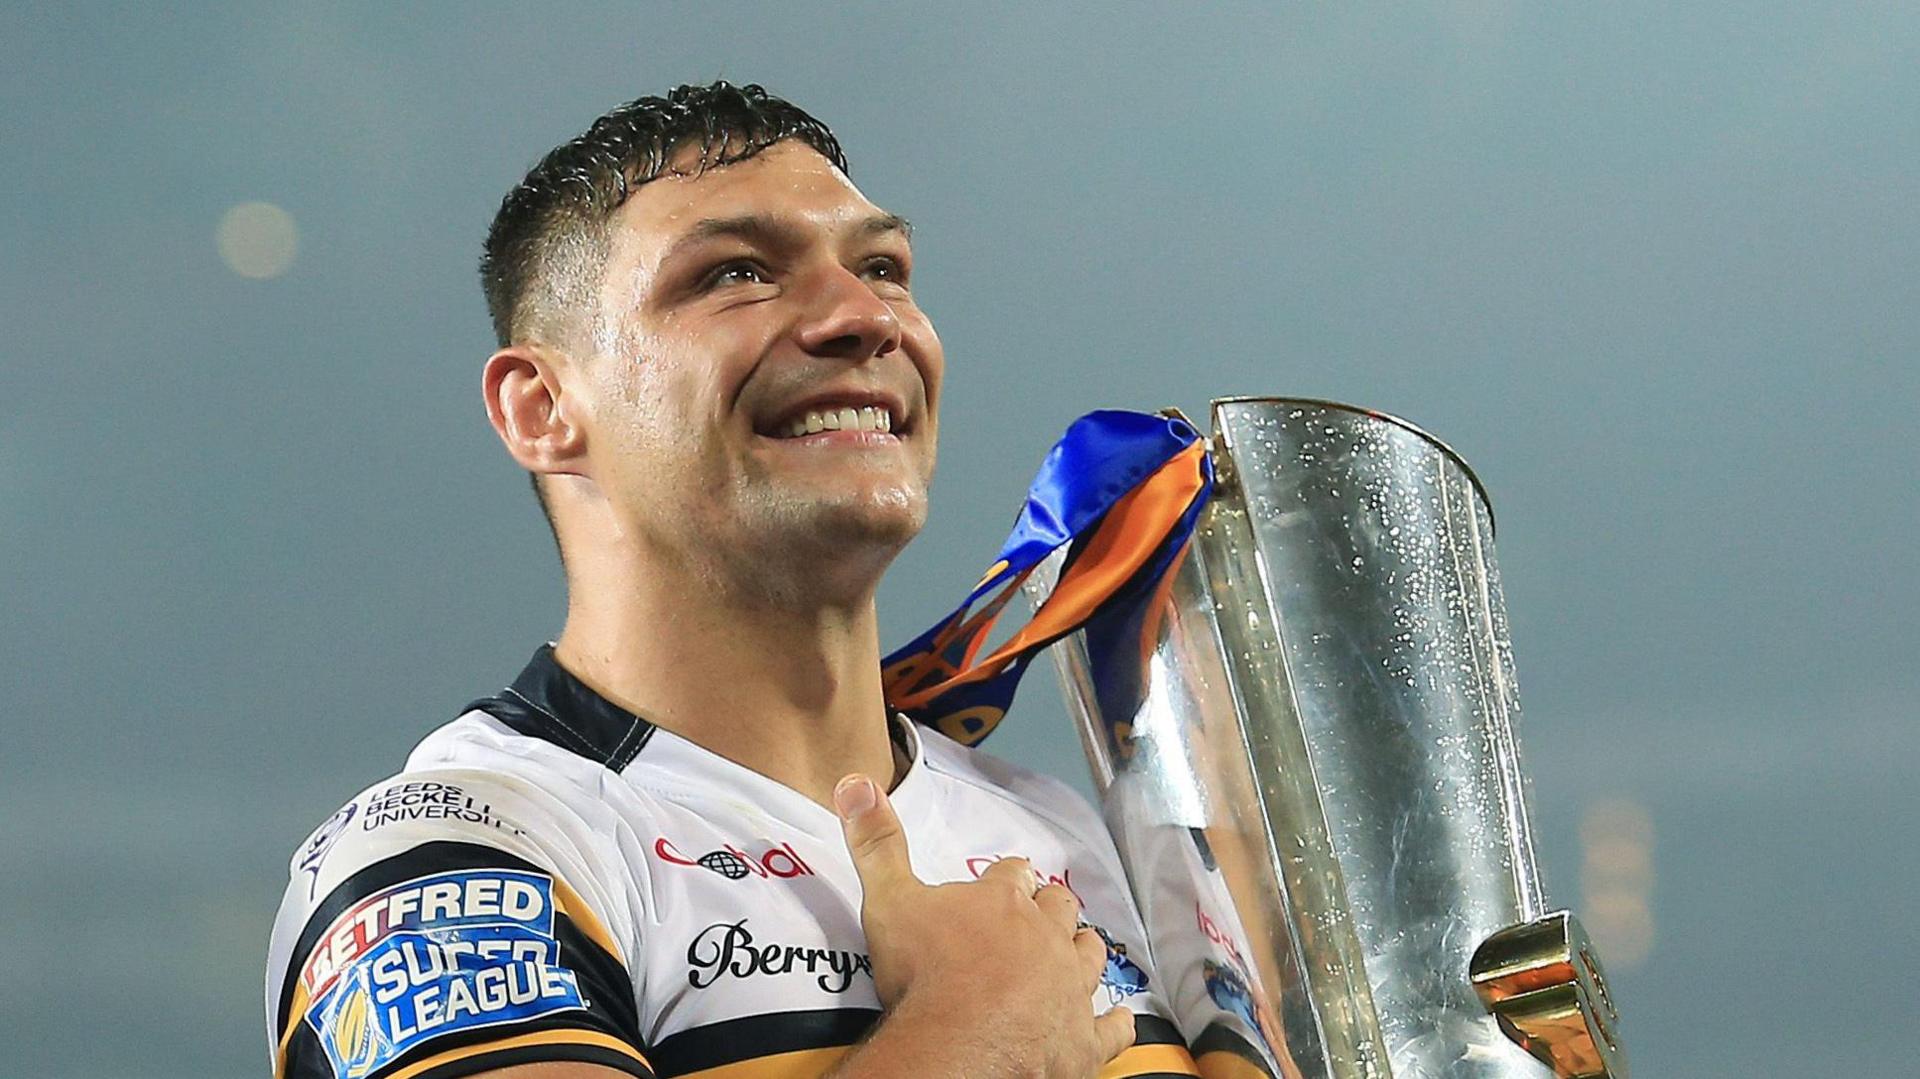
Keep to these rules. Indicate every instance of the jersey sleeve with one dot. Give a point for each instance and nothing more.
(451, 922)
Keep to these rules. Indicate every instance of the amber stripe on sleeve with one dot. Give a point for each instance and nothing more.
(546, 1045)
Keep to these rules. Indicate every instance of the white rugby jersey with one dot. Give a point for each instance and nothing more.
(553, 878)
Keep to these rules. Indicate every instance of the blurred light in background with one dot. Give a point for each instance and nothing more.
(257, 239)
(1616, 880)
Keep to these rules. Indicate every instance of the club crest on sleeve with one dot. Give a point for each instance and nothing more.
(322, 841)
(1229, 992)
(430, 956)
(1121, 977)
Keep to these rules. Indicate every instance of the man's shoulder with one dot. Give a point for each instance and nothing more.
(488, 846)
(483, 778)
(480, 814)
(459, 780)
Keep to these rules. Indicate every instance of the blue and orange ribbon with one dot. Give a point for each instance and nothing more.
(1125, 489)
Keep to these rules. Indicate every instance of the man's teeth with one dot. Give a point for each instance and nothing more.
(869, 418)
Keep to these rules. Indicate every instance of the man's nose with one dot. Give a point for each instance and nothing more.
(847, 320)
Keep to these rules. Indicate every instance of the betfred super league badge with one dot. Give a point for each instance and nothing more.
(431, 956)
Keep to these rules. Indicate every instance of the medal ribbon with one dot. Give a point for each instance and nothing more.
(1125, 490)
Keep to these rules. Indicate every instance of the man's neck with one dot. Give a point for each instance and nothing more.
(792, 694)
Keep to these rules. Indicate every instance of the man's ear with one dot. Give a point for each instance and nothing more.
(526, 402)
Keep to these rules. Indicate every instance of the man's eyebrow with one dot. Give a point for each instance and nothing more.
(772, 231)
(887, 223)
(758, 227)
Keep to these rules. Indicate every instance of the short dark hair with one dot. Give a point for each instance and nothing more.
(549, 242)
(559, 212)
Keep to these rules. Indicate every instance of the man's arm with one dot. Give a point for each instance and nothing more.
(452, 943)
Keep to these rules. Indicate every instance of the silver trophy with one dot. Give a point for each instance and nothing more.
(1316, 788)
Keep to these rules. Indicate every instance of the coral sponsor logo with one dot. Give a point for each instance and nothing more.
(978, 865)
(735, 864)
(435, 955)
(1221, 938)
(728, 949)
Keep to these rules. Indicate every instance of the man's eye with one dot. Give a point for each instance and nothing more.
(887, 268)
(738, 271)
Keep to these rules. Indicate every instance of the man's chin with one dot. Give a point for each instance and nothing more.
(882, 524)
(854, 528)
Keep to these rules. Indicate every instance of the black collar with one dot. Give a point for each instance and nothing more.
(548, 702)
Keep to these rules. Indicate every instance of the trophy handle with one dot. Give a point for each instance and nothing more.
(1544, 985)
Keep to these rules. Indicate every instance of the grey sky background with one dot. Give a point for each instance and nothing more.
(1649, 267)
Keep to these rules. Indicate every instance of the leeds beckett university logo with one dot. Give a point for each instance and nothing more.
(423, 801)
(735, 864)
(434, 955)
(728, 948)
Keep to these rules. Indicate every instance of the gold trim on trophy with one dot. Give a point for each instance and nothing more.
(1544, 985)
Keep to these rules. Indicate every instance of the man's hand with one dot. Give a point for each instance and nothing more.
(992, 977)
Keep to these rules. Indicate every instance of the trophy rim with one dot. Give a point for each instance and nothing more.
(1473, 477)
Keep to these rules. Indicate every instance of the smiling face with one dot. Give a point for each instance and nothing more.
(764, 389)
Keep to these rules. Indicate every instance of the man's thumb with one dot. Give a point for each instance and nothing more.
(874, 837)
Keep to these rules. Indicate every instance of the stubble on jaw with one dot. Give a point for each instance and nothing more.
(810, 551)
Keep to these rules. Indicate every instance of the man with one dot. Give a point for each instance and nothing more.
(713, 365)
